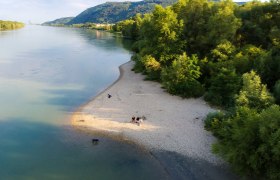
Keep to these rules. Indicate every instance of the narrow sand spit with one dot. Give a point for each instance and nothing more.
(173, 124)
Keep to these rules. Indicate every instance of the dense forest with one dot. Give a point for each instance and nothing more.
(230, 55)
(112, 12)
(9, 25)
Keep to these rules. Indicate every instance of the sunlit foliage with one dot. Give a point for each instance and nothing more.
(231, 51)
(10, 25)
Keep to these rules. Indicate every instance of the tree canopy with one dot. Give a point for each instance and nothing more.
(232, 53)
(10, 25)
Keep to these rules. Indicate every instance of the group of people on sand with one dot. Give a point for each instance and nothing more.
(137, 120)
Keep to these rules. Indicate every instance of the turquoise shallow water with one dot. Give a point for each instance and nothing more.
(45, 74)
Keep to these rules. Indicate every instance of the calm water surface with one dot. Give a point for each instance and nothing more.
(45, 73)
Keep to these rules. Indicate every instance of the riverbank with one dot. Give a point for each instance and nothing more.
(173, 127)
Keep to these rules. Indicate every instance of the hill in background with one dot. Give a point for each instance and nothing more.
(111, 12)
(60, 21)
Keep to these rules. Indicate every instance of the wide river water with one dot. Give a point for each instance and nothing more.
(45, 74)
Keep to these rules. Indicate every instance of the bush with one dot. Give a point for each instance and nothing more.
(138, 66)
(190, 88)
(218, 123)
(253, 144)
(254, 94)
(213, 122)
(223, 88)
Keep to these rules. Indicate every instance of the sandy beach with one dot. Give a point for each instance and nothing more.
(172, 124)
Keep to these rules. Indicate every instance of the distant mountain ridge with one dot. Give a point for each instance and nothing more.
(112, 12)
(59, 21)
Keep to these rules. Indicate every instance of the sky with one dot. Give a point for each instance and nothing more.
(39, 11)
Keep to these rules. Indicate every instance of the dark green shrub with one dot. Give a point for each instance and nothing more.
(138, 66)
(253, 145)
(189, 89)
(218, 123)
(223, 88)
(213, 121)
(276, 92)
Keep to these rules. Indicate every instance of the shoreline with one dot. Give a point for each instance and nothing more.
(173, 131)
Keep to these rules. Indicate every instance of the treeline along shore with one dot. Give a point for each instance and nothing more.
(228, 54)
(10, 25)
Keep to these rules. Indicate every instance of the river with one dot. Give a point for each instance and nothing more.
(45, 74)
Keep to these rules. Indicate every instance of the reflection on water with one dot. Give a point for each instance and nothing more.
(45, 73)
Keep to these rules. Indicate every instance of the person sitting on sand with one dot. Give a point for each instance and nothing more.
(133, 119)
(139, 121)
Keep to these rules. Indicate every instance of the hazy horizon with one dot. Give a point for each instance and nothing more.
(39, 11)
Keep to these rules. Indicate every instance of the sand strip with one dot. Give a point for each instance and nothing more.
(173, 131)
(173, 124)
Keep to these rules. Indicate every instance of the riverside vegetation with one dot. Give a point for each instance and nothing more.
(230, 55)
(10, 25)
(88, 25)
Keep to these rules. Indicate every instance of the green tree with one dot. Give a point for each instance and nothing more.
(195, 14)
(130, 28)
(270, 67)
(10, 25)
(126, 27)
(253, 93)
(253, 146)
(223, 24)
(274, 36)
(224, 86)
(161, 32)
(249, 57)
(260, 23)
(152, 67)
(181, 77)
(223, 51)
(136, 26)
